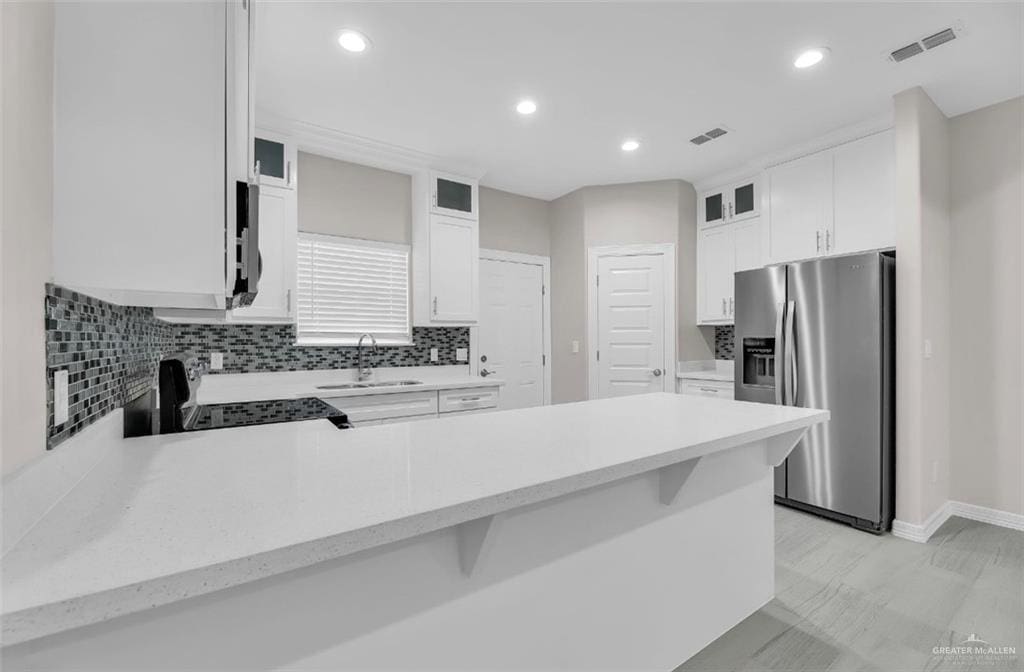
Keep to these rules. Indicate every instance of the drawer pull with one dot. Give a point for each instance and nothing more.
(709, 389)
(466, 400)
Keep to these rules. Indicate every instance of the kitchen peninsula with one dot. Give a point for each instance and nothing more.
(626, 532)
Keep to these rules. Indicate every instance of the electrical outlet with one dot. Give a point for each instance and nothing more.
(461, 354)
(575, 347)
(433, 354)
(216, 361)
(60, 397)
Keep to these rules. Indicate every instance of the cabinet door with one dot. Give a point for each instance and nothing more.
(454, 262)
(278, 230)
(717, 258)
(747, 246)
(800, 204)
(453, 196)
(864, 184)
(712, 207)
(277, 159)
(744, 200)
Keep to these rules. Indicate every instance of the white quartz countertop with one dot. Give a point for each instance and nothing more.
(164, 518)
(238, 387)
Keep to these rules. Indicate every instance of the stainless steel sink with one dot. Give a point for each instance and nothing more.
(357, 386)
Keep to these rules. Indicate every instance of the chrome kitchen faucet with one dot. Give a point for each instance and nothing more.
(365, 372)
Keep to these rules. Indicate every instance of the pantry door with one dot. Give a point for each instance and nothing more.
(511, 337)
(632, 321)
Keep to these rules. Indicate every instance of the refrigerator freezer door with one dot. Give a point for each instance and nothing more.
(837, 346)
(760, 306)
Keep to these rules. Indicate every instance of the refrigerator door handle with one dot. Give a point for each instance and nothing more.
(790, 356)
(779, 353)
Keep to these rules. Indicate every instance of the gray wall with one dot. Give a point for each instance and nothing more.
(27, 224)
(568, 299)
(347, 199)
(987, 191)
(514, 223)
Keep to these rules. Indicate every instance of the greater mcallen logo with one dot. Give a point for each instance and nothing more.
(974, 646)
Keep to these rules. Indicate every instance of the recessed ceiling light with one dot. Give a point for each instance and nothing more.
(354, 41)
(526, 107)
(630, 146)
(810, 57)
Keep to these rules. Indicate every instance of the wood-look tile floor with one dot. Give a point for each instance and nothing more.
(848, 600)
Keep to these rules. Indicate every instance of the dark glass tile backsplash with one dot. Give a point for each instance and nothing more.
(724, 342)
(111, 352)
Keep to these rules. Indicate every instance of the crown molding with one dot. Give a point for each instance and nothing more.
(336, 144)
(832, 139)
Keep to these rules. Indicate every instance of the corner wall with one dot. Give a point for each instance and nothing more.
(987, 211)
(27, 226)
(923, 288)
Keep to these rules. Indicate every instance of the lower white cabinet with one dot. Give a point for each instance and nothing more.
(705, 388)
(721, 252)
(378, 409)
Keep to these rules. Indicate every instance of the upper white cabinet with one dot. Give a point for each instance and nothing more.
(445, 250)
(864, 184)
(836, 201)
(153, 132)
(732, 203)
(275, 300)
(454, 196)
(276, 159)
(723, 251)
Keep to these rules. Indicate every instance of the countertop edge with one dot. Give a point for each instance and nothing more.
(55, 617)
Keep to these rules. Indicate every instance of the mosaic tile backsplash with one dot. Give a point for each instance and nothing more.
(111, 352)
(724, 342)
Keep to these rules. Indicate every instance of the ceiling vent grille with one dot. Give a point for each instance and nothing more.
(930, 42)
(708, 136)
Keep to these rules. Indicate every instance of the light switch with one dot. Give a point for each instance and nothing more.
(60, 397)
(927, 348)
(461, 354)
(433, 354)
(575, 347)
(216, 361)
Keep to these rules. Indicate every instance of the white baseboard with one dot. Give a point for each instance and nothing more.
(922, 533)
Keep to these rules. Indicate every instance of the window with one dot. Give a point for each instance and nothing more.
(349, 287)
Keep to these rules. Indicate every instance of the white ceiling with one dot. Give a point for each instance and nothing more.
(444, 78)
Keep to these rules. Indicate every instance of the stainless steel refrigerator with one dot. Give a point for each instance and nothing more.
(821, 334)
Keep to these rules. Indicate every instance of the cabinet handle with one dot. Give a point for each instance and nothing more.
(435, 199)
(288, 174)
(730, 211)
(435, 305)
(467, 400)
(828, 241)
(723, 307)
(817, 238)
(288, 299)
(709, 389)
(731, 309)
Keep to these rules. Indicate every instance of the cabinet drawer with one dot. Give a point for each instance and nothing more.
(706, 389)
(466, 399)
(382, 406)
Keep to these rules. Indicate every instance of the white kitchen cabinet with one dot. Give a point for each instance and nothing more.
(865, 178)
(721, 252)
(800, 208)
(151, 137)
(454, 196)
(277, 156)
(445, 262)
(837, 201)
(275, 301)
(706, 388)
(377, 409)
(734, 202)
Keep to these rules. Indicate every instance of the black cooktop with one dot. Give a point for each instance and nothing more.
(240, 414)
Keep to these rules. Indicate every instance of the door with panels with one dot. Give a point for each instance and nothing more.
(511, 331)
(631, 355)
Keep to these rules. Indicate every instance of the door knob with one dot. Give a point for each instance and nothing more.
(485, 372)
(657, 372)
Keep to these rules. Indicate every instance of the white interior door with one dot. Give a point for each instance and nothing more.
(512, 330)
(631, 356)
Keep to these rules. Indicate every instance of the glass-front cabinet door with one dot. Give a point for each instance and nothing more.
(276, 157)
(453, 196)
(744, 200)
(713, 207)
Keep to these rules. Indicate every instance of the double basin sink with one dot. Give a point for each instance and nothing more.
(357, 386)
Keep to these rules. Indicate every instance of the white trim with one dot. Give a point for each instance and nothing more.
(474, 332)
(336, 144)
(922, 533)
(668, 251)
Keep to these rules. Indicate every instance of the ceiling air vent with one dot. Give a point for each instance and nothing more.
(708, 136)
(903, 53)
(941, 37)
